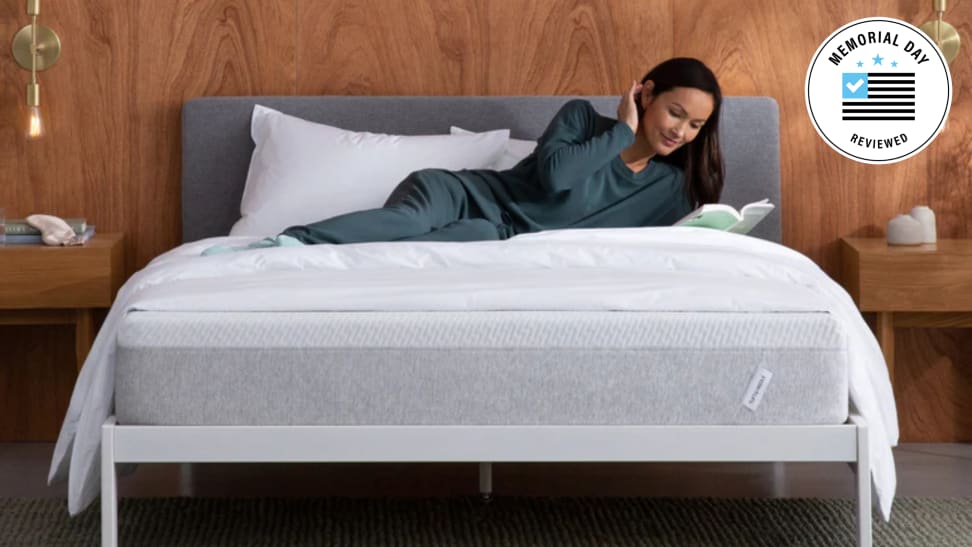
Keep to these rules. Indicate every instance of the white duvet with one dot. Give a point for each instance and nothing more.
(599, 269)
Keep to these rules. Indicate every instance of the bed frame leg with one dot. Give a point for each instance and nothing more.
(486, 481)
(863, 469)
(109, 492)
(185, 480)
(779, 479)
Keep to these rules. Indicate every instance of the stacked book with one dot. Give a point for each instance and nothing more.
(18, 232)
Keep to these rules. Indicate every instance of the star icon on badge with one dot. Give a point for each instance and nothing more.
(877, 59)
(860, 63)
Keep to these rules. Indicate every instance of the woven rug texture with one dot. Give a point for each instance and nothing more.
(513, 521)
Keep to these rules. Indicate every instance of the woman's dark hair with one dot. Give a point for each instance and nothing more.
(701, 159)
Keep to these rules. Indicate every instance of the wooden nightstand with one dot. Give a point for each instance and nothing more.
(909, 286)
(42, 285)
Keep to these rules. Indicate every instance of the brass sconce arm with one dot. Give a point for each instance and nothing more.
(36, 47)
(945, 36)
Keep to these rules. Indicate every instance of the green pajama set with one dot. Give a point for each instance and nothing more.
(574, 179)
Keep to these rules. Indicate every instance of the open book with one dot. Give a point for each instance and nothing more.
(724, 217)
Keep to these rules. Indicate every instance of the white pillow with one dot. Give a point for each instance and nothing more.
(302, 172)
(516, 149)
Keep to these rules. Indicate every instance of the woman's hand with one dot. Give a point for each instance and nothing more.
(627, 111)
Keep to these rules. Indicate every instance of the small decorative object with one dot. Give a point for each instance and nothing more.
(54, 231)
(924, 215)
(904, 230)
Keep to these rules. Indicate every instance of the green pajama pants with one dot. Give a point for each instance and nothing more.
(429, 205)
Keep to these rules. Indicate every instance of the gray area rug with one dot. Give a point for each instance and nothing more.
(511, 521)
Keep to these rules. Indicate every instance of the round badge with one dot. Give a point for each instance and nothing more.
(878, 90)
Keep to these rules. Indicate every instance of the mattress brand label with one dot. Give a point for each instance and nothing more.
(757, 387)
(878, 90)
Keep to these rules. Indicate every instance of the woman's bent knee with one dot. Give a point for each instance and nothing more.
(422, 184)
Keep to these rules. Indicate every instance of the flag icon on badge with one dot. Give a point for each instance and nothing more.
(878, 95)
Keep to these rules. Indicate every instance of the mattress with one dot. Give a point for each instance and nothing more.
(480, 368)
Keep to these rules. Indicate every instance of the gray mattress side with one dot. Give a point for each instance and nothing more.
(478, 368)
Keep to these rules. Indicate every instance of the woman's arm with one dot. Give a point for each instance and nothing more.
(567, 154)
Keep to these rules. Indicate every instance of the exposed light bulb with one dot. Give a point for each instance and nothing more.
(35, 123)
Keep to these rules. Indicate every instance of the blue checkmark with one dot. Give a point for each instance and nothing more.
(854, 85)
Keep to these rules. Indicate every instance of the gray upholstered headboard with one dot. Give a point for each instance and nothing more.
(216, 144)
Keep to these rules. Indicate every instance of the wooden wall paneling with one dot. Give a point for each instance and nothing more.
(764, 47)
(645, 38)
(187, 49)
(36, 379)
(581, 47)
(112, 154)
(113, 104)
(877, 193)
(426, 47)
(13, 82)
(483, 47)
(86, 160)
(46, 175)
(949, 171)
(80, 168)
(934, 392)
(934, 388)
(933, 377)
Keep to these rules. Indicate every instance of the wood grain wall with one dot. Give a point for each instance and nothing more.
(113, 104)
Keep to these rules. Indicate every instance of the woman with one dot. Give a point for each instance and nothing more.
(653, 165)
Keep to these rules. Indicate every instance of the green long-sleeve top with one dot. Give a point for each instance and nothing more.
(575, 178)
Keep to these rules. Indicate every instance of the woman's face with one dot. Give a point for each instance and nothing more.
(674, 118)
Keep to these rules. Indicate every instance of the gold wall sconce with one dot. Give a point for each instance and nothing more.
(35, 48)
(942, 33)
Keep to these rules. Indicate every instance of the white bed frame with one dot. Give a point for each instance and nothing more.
(717, 443)
(216, 151)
